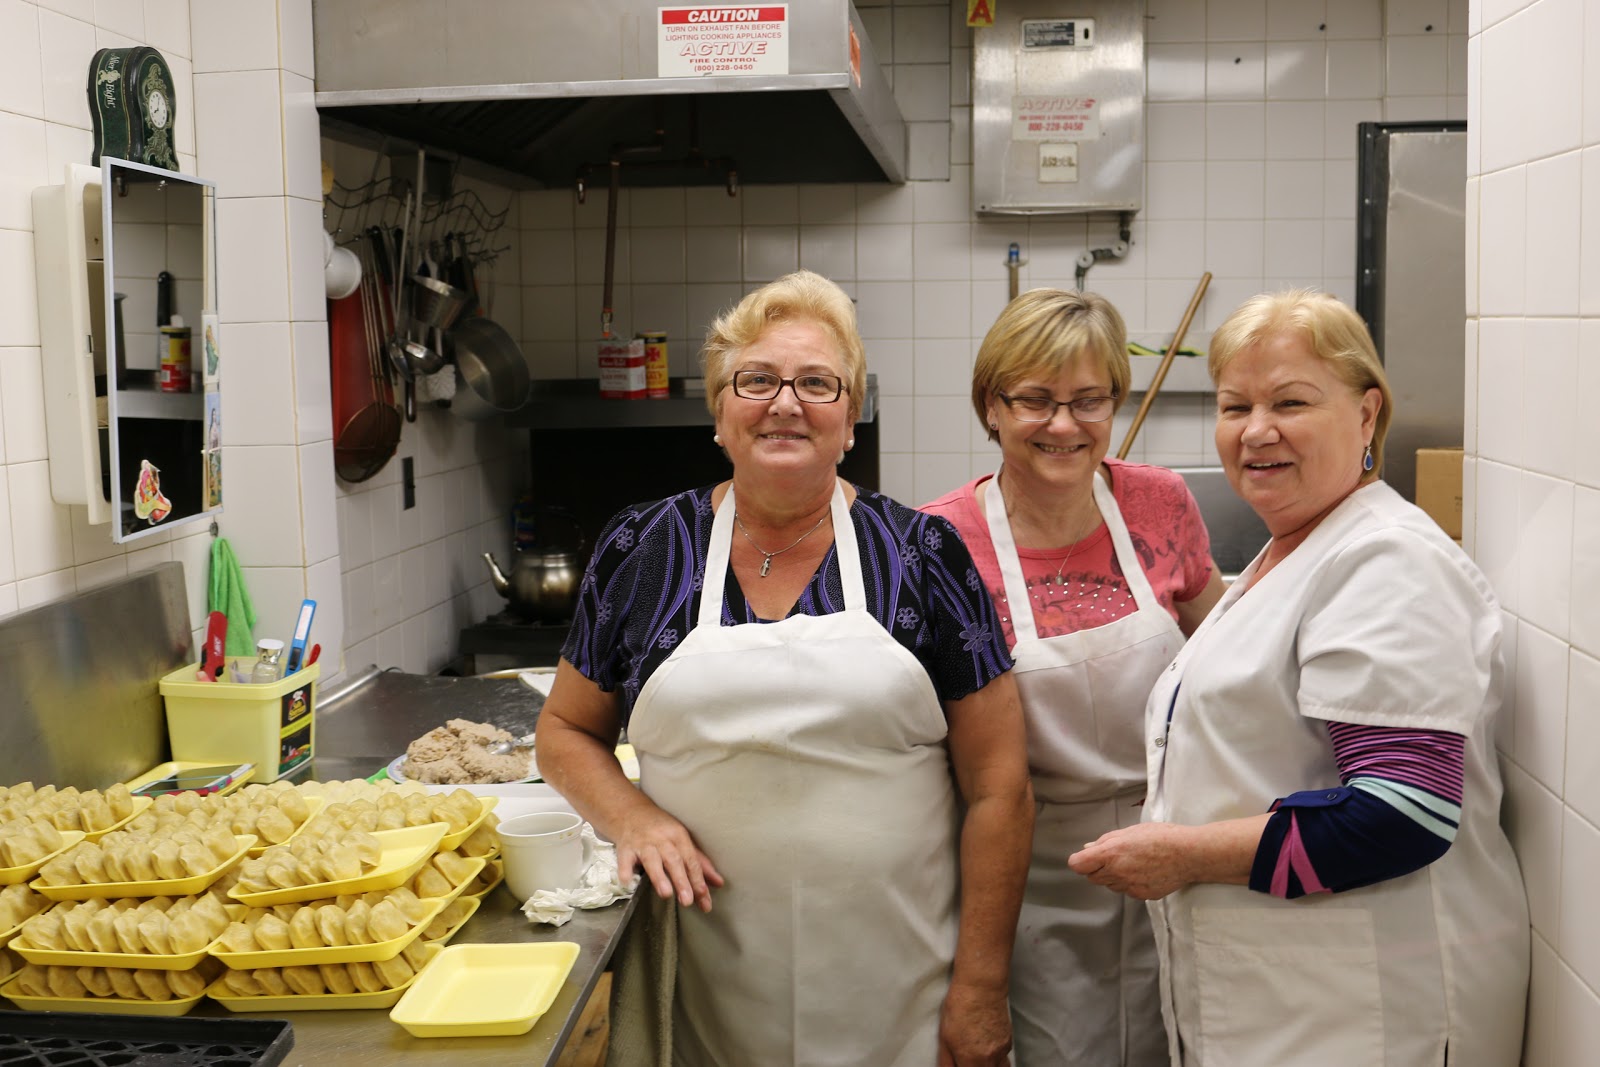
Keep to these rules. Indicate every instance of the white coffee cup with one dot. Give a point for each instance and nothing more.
(544, 850)
(341, 276)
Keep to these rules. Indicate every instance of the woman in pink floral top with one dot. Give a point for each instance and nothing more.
(1099, 570)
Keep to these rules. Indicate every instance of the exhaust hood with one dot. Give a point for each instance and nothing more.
(554, 91)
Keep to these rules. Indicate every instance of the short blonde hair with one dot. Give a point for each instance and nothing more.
(799, 297)
(1042, 332)
(1331, 330)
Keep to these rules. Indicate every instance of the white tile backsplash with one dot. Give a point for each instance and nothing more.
(22, 80)
(1235, 131)
(1235, 71)
(1552, 256)
(66, 46)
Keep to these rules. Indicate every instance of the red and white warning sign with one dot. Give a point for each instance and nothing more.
(699, 42)
(1055, 118)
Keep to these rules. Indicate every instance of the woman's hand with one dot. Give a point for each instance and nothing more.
(1147, 861)
(1155, 859)
(974, 1028)
(654, 841)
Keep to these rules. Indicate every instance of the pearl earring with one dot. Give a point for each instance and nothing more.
(1366, 459)
(716, 438)
(848, 445)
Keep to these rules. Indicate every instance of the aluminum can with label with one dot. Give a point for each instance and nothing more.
(174, 376)
(655, 364)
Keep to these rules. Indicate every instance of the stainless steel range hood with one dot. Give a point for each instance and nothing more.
(547, 90)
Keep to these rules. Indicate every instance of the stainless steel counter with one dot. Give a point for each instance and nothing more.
(358, 732)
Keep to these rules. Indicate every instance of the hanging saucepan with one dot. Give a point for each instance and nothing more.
(492, 375)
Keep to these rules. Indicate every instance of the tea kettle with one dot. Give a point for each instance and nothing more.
(543, 583)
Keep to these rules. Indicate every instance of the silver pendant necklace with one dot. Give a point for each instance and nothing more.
(766, 562)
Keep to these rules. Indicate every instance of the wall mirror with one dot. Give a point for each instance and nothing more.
(156, 348)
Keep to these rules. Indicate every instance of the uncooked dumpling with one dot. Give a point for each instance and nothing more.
(122, 983)
(272, 982)
(365, 978)
(156, 933)
(273, 933)
(239, 938)
(165, 857)
(242, 983)
(330, 925)
(303, 929)
(153, 984)
(406, 902)
(185, 984)
(307, 981)
(64, 983)
(96, 981)
(430, 883)
(337, 978)
(386, 923)
(355, 923)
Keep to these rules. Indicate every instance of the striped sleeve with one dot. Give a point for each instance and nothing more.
(1395, 812)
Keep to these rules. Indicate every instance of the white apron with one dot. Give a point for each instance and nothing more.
(1083, 971)
(1387, 975)
(808, 758)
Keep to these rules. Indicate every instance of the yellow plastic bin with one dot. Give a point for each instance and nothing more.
(272, 726)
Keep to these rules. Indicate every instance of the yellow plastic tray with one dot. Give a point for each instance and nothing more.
(103, 1005)
(140, 806)
(497, 873)
(308, 957)
(313, 805)
(169, 887)
(404, 852)
(485, 990)
(385, 998)
(444, 938)
(163, 770)
(13, 875)
(147, 961)
(450, 841)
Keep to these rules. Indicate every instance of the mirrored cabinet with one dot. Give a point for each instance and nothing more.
(126, 261)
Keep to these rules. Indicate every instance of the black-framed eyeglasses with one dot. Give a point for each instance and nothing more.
(1043, 408)
(808, 388)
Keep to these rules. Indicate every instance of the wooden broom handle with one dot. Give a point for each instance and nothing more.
(1166, 362)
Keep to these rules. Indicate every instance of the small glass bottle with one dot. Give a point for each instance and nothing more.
(269, 661)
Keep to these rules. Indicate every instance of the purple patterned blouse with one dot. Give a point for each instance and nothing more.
(641, 593)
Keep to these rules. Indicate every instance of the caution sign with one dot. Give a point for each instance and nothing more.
(980, 12)
(1055, 118)
(702, 42)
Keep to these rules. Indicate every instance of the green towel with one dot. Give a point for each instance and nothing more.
(229, 596)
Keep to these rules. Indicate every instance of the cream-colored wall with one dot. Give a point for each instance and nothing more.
(1533, 468)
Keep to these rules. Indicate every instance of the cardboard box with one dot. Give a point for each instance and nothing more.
(1439, 487)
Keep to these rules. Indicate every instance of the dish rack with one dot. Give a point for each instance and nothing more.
(28, 1039)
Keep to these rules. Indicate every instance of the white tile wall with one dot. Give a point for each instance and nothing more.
(1532, 249)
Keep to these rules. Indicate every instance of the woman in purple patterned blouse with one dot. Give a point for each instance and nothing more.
(829, 740)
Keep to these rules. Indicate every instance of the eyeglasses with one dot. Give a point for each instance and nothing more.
(1043, 408)
(808, 388)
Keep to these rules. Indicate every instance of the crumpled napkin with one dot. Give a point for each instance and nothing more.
(598, 888)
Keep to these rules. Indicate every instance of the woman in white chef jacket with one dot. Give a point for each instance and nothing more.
(1322, 838)
(1099, 569)
(814, 682)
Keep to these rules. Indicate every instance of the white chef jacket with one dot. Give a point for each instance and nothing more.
(1376, 619)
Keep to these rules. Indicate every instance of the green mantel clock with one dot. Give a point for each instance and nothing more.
(131, 100)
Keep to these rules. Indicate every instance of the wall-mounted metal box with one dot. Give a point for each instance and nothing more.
(1058, 108)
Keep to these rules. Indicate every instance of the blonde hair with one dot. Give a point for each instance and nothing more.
(799, 297)
(1332, 331)
(1042, 332)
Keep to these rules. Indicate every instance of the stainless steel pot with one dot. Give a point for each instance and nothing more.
(542, 586)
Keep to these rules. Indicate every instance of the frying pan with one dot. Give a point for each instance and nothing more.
(492, 375)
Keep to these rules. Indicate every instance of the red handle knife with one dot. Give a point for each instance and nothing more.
(213, 658)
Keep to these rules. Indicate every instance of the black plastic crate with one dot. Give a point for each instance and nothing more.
(66, 1039)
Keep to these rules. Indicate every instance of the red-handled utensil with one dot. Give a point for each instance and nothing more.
(316, 650)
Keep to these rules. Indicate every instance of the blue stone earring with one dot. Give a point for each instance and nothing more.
(1366, 460)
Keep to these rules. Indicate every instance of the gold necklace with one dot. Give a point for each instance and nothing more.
(1063, 564)
(766, 563)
